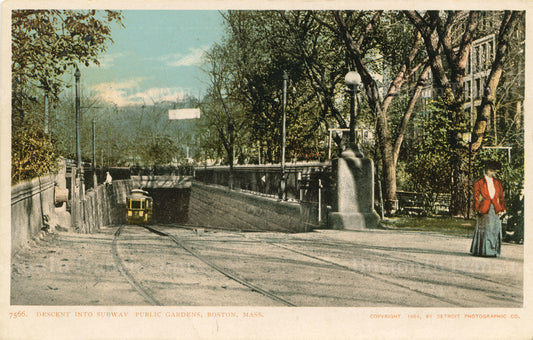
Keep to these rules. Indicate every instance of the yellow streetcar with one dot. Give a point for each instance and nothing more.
(139, 207)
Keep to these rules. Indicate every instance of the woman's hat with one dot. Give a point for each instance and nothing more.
(492, 165)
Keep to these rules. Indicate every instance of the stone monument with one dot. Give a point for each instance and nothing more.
(353, 203)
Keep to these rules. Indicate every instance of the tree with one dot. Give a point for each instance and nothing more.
(428, 161)
(489, 100)
(448, 59)
(317, 49)
(404, 65)
(162, 151)
(221, 111)
(46, 45)
(323, 67)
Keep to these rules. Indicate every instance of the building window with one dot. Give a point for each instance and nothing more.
(477, 88)
(467, 90)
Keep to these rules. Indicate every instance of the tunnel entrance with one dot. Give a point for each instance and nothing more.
(171, 205)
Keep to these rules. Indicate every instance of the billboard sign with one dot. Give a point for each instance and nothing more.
(183, 114)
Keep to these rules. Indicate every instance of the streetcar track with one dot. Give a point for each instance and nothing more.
(434, 266)
(372, 276)
(347, 268)
(276, 243)
(222, 270)
(352, 270)
(387, 256)
(380, 254)
(148, 297)
(124, 271)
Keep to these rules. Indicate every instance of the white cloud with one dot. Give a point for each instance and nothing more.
(194, 57)
(127, 93)
(107, 60)
(116, 93)
(157, 94)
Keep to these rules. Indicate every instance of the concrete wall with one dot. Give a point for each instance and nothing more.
(33, 210)
(104, 206)
(216, 206)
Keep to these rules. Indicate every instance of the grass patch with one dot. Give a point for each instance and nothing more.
(444, 225)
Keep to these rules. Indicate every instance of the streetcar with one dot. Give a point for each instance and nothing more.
(139, 207)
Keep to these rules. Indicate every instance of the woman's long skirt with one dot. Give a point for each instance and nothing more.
(488, 235)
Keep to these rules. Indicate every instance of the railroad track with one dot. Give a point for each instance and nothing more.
(339, 266)
(311, 256)
(366, 274)
(350, 269)
(388, 256)
(126, 273)
(152, 300)
(355, 245)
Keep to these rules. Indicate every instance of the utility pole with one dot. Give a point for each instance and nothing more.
(95, 181)
(78, 187)
(46, 115)
(283, 182)
(77, 75)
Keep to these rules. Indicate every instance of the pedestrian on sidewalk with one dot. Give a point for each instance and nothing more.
(489, 204)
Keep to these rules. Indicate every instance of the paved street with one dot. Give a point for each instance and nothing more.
(322, 268)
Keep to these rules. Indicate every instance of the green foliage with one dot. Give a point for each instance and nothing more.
(444, 225)
(428, 161)
(249, 65)
(32, 154)
(160, 152)
(46, 44)
(141, 135)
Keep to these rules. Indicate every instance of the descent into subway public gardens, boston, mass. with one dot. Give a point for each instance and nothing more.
(282, 158)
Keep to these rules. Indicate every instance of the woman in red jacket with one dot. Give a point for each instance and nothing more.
(490, 205)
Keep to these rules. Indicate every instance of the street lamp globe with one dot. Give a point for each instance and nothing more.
(352, 78)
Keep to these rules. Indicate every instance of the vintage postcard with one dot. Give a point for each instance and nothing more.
(265, 170)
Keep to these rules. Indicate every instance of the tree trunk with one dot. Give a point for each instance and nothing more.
(488, 101)
(389, 178)
(461, 186)
(380, 109)
(436, 33)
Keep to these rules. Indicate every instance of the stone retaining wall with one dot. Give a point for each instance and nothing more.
(216, 206)
(32, 209)
(105, 206)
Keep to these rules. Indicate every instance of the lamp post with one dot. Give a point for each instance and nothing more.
(353, 176)
(95, 181)
(77, 75)
(353, 80)
(466, 137)
(283, 184)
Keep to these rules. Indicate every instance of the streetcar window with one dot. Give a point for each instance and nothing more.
(136, 204)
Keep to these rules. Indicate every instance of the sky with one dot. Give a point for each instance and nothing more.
(157, 56)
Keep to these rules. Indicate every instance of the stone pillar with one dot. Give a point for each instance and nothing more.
(353, 206)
